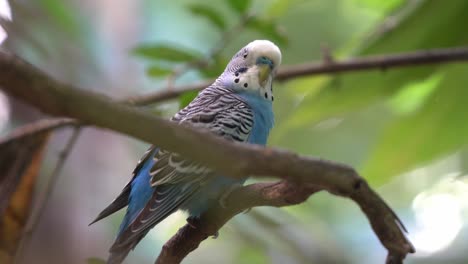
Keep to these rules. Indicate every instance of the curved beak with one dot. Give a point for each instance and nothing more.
(264, 71)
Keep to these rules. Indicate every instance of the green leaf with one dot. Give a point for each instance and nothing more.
(380, 5)
(438, 129)
(209, 13)
(186, 98)
(268, 28)
(215, 68)
(240, 6)
(412, 96)
(344, 94)
(279, 8)
(157, 71)
(95, 261)
(250, 254)
(63, 14)
(353, 91)
(166, 52)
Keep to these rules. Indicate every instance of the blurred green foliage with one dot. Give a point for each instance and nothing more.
(351, 92)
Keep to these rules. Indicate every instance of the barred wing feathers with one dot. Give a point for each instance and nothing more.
(177, 179)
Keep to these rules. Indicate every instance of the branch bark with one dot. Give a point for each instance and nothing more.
(25, 82)
(279, 194)
(189, 237)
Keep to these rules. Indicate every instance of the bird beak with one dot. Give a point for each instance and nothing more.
(263, 73)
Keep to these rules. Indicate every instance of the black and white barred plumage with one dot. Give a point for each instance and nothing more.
(237, 107)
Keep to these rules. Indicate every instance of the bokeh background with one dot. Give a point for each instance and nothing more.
(404, 129)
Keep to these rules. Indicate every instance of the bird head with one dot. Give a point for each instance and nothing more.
(253, 68)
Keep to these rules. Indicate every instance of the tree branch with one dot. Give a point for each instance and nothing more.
(382, 62)
(27, 83)
(449, 55)
(279, 194)
(283, 193)
(38, 127)
(188, 238)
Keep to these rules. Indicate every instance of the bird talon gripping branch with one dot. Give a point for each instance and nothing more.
(223, 198)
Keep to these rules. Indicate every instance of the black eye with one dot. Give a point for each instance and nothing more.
(245, 56)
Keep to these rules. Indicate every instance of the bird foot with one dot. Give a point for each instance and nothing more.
(193, 222)
(222, 200)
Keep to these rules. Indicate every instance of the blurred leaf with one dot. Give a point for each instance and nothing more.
(279, 7)
(250, 254)
(186, 98)
(209, 13)
(157, 71)
(268, 28)
(380, 5)
(239, 6)
(215, 68)
(413, 95)
(347, 93)
(166, 52)
(63, 14)
(95, 261)
(20, 161)
(438, 129)
(357, 90)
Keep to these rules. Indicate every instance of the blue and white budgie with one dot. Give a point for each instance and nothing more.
(238, 107)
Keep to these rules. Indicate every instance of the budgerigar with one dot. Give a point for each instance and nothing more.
(238, 107)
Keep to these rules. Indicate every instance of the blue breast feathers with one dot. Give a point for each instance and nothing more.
(263, 117)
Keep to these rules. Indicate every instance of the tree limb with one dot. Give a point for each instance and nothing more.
(188, 238)
(449, 55)
(279, 194)
(381, 62)
(27, 83)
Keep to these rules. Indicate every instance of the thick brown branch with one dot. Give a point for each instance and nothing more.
(25, 82)
(449, 55)
(279, 194)
(188, 238)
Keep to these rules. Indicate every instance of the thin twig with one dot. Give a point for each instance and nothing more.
(50, 186)
(381, 62)
(438, 56)
(40, 126)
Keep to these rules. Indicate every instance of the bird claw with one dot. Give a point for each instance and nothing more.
(225, 195)
(192, 222)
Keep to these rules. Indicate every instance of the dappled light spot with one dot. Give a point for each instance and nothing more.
(439, 218)
(5, 13)
(4, 111)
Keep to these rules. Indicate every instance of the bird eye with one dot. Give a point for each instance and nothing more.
(245, 53)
